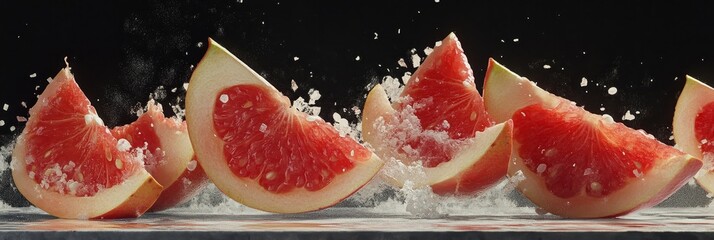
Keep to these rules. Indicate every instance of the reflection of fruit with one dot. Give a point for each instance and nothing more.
(67, 163)
(437, 121)
(168, 155)
(693, 127)
(577, 164)
(261, 152)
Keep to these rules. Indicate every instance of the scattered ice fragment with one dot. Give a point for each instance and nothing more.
(628, 116)
(546, 66)
(21, 119)
(607, 118)
(263, 127)
(293, 85)
(402, 63)
(12, 128)
(185, 86)
(2, 123)
(223, 98)
(503, 41)
(671, 137)
(437, 43)
(192, 165)
(33, 75)
(583, 82)
(428, 50)
(612, 90)
(407, 76)
(675, 78)
(173, 90)
(314, 96)
(296, 58)
(541, 168)
(49, 80)
(123, 145)
(376, 35)
(158, 94)
(199, 44)
(416, 60)
(399, 31)
(516, 40)
(357, 58)
(704, 141)
(637, 112)
(436, 1)
(602, 108)
(312, 118)
(588, 171)
(5, 107)
(637, 173)
(90, 118)
(341, 125)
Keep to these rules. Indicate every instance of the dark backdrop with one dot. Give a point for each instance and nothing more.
(121, 51)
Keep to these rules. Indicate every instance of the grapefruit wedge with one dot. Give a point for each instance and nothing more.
(68, 164)
(168, 155)
(439, 122)
(693, 127)
(260, 151)
(576, 164)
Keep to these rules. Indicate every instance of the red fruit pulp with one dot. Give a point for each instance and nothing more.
(567, 142)
(283, 149)
(71, 149)
(444, 98)
(704, 128)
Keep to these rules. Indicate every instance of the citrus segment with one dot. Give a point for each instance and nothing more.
(67, 163)
(167, 154)
(439, 121)
(576, 164)
(692, 127)
(261, 152)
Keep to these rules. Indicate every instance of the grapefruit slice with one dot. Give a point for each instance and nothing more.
(168, 155)
(67, 163)
(440, 120)
(260, 151)
(693, 127)
(577, 164)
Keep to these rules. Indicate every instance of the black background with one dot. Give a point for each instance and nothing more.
(121, 51)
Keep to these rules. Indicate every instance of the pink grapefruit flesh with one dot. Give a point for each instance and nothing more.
(261, 152)
(693, 127)
(169, 156)
(577, 164)
(441, 121)
(68, 164)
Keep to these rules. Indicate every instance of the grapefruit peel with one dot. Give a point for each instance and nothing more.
(130, 198)
(694, 96)
(218, 70)
(505, 93)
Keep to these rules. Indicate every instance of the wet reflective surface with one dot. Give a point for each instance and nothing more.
(350, 223)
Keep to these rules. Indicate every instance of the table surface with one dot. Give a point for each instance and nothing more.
(359, 223)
